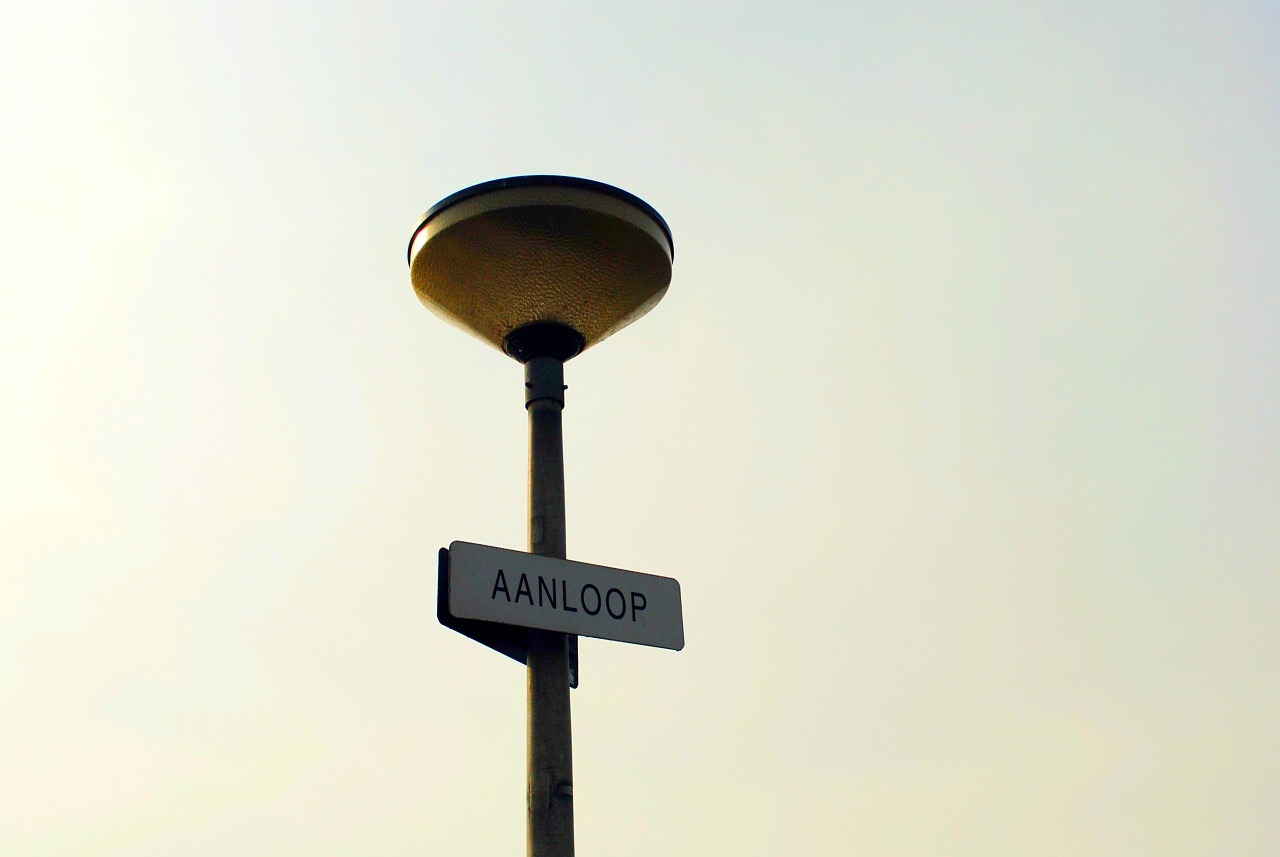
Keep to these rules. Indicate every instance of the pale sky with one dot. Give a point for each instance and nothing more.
(960, 427)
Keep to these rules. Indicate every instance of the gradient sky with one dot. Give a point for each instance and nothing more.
(960, 427)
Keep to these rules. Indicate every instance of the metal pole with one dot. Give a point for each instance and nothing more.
(550, 787)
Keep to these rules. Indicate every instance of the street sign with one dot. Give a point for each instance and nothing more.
(514, 588)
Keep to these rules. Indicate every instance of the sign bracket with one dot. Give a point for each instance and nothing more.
(510, 640)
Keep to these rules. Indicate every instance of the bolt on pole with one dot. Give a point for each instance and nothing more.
(550, 738)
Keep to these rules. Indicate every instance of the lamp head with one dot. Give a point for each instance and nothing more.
(541, 265)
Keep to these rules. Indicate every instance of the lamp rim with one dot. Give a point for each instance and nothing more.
(540, 181)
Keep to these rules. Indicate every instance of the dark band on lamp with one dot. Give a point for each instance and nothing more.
(543, 339)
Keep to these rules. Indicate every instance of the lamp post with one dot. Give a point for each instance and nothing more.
(543, 267)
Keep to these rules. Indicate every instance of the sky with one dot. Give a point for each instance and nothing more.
(959, 426)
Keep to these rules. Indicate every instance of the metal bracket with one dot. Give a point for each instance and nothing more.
(510, 640)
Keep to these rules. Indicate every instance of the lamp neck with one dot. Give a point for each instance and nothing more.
(544, 380)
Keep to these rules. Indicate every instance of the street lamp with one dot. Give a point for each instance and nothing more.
(543, 267)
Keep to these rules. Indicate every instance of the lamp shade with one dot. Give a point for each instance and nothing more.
(538, 253)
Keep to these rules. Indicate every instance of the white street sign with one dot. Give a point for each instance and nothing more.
(515, 588)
